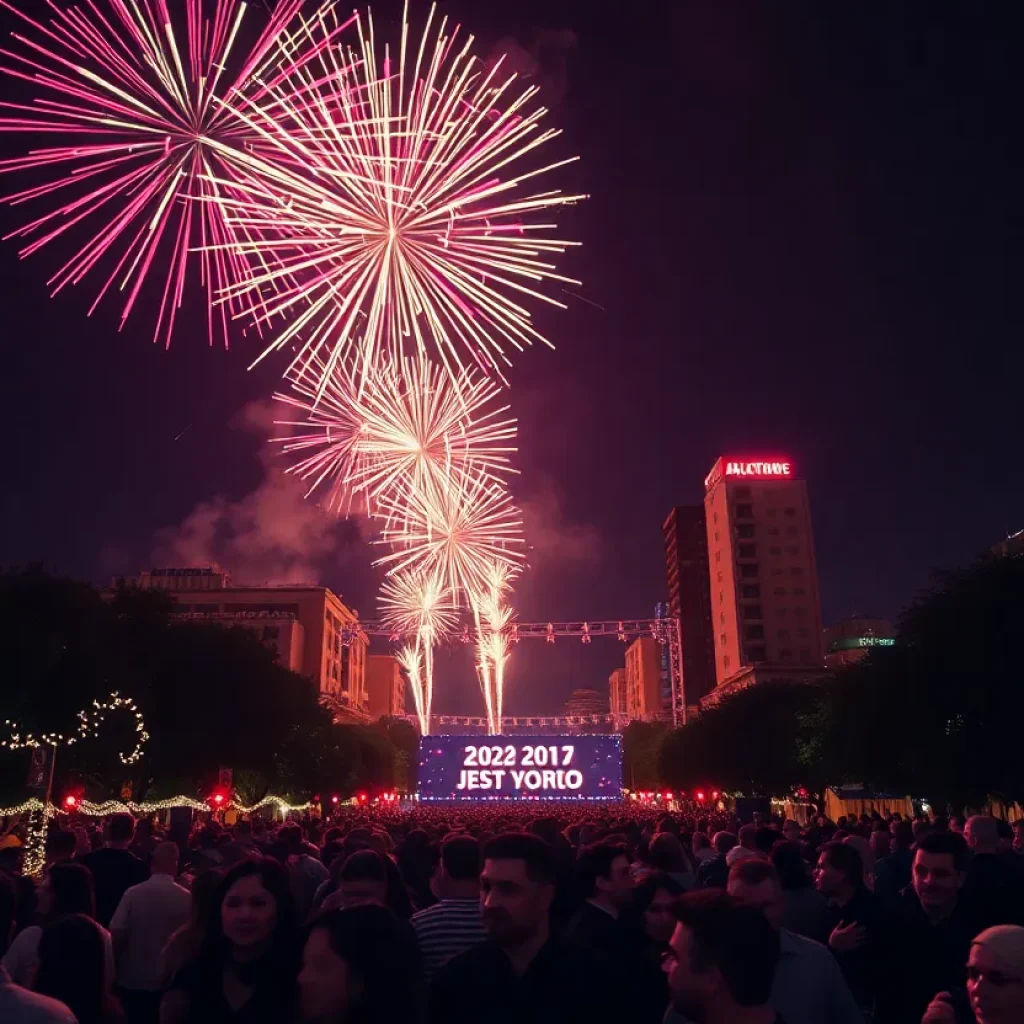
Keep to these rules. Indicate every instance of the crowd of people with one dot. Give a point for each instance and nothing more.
(506, 913)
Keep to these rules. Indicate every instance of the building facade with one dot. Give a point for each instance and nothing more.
(304, 625)
(617, 696)
(689, 598)
(850, 640)
(385, 686)
(586, 702)
(643, 680)
(763, 575)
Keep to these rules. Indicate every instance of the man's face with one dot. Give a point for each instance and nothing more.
(691, 991)
(996, 995)
(827, 879)
(618, 886)
(514, 906)
(936, 879)
(765, 897)
(356, 891)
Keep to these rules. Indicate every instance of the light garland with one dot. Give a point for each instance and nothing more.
(108, 807)
(89, 723)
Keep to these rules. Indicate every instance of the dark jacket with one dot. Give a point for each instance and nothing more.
(713, 874)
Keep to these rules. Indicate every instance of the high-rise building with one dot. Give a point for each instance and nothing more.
(689, 598)
(764, 581)
(617, 696)
(851, 639)
(643, 680)
(304, 625)
(385, 686)
(586, 702)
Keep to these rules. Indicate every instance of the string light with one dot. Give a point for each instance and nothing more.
(102, 810)
(89, 722)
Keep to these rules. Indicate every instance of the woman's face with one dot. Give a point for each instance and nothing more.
(659, 921)
(997, 997)
(325, 984)
(248, 913)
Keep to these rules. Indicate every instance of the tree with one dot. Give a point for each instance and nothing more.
(939, 713)
(749, 742)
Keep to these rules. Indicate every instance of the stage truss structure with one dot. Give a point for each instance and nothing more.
(665, 630)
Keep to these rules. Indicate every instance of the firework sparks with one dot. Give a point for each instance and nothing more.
(492, 616)
(409, 422)
(419, 606)
(394, 215)
(131, 94)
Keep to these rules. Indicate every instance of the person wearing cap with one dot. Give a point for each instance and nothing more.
(995, 982)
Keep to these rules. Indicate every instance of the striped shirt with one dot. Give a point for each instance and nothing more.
(447, 929)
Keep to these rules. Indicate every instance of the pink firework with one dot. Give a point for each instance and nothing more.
(139, 146)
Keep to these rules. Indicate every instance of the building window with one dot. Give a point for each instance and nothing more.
(775, 551)
(744, 511)
(721, 618)
(789, 511)
(749, 570)
(793, 549)
(715, 518)
(780, 591)
(753, 632)
(792, 531)
(725, 661)
(742, 494)
(718, 556)
(773, 532)
(772, 513)
(777, 571)
(785, 652)
(799, 591)
(782, 634)
(717, 538)
(723, 639)
(721, 597)
(754, 654)
(751, 590)
(745, 531)
(752, 611)
(805, 656)
(780, 613)
(719, 577)
(800, 613)
(796, 571)
(803, 633)
(748, 551)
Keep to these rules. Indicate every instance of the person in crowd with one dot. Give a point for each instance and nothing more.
(67, 888)
(855, 937)
(927, 937)
(416, 862)
(747, 837)
(605, 882)
(867, 859)
(523, 972)
(880, 842)
(805, 910)
(362, 878)
(713, 873)
(72, 969)
(667, 854)
(892, 872)
(653, 899)
(359, 966)
(305, 871)
(454, 924)
(721, 962)
(60, 845)
(187, 942)
(19, 1005)
(115, 869)
(147, 916)
(995, 982)
(791, 832)
(1018, 836)
(994, 888)
(247, 967)
(701, 846)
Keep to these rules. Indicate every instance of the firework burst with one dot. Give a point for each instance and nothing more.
(396, 214)
(144, 152)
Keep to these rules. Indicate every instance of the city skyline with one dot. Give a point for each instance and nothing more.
(824, 267)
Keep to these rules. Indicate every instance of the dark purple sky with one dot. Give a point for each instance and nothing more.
(804, 234)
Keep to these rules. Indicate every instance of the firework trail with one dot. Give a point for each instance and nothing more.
(145, 154)
(395, 214)
(408, 423)
(419, 606)
(492, 616)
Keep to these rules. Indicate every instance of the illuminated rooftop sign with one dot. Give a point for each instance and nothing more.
(750, 469)
(852, 643)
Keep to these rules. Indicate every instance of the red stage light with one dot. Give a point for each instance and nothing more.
(334, 799)
(362, 798)
(71, 800)
(218, 798)
(714, 795)
(700, 795)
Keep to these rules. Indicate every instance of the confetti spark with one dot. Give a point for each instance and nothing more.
(393, 210)
(139, 149)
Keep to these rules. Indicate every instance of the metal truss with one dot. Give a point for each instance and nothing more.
(664, 630)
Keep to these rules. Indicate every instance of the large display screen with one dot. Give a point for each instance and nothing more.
(520, 768)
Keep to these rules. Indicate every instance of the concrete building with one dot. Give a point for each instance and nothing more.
(309, 621)
(617, 696)
(764, 580)
(385, 686)
(643, 680)
(689, 598)
(586, 702)
(851, 639)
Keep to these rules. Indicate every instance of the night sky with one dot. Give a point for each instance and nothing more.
(803, 237)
